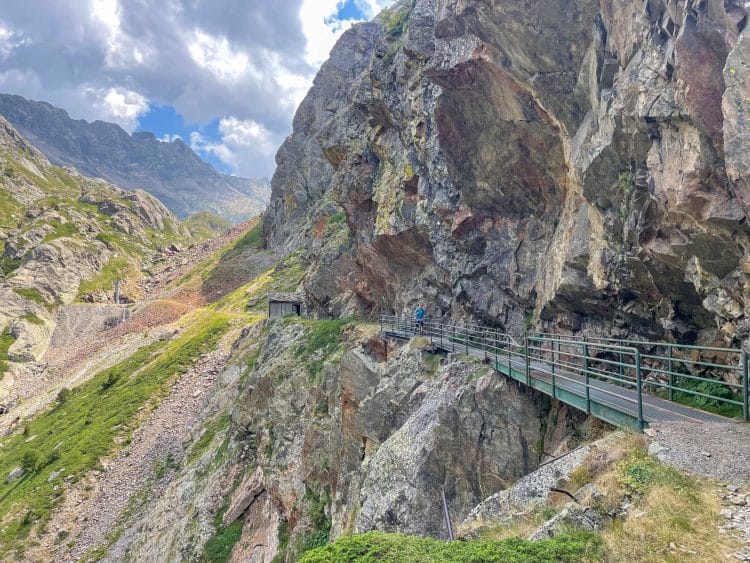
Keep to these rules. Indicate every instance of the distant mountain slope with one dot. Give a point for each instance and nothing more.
(170, 171)
(63, 238)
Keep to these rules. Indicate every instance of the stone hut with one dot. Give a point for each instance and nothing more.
(282, 304)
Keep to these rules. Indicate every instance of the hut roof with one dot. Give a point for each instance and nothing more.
(283, 297)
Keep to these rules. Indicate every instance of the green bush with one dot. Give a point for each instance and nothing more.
(9, 265)
(337, 218)
(715, 405)
(396, 548)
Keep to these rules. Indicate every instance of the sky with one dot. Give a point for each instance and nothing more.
(225, 76)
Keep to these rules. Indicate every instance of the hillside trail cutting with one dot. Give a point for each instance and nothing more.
(91, 337)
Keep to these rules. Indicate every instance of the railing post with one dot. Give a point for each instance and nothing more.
(526, 359)
(466, 339)
(453, 338)
(446, 515)
(554, 386)
(441, 336)
(484, 343)
(671, 373)
(641, 424)
(746, 412)
(381, 324)
(586, 375)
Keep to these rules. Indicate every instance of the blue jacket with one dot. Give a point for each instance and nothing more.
(419, 313)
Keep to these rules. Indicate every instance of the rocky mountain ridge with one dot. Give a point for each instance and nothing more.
(170, 171)
(572, 165)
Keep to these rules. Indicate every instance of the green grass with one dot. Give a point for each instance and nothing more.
(219, 424)
(62, 230)
(285, 276)
(82, 426)
(323, 339)
(253, 238)
(33, 319)
(118, 268)
(205, 225)
(396, 548)
(6, 341)
(32, 294)
(640, 472)
(219, 547)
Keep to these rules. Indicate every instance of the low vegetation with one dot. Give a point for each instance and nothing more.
(6, 341)
(118, 268)
(397, 548)
(74, 435)
(218, 425)
(675, 517)
(219, 547)
(32, 294)
(205, 225)
(322, 340)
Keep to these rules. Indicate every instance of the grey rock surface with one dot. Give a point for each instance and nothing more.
(499, 158)
(685, 446)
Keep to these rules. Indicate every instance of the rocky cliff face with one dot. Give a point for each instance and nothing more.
(582, 162)
(170, 171)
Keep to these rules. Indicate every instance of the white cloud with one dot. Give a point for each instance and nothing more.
(321, 29)
(243, 145)
(105, 59)
(216, 55)
(372, 8)
(9, 41)
(246, 134)
(169, 138)
(120, 105)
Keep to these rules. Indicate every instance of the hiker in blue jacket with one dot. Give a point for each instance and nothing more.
(419, 314)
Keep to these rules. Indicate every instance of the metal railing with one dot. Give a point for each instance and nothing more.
(708, 378)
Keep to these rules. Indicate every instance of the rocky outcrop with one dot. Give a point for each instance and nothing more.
(345, 441)
(579, 161)
(170, 171)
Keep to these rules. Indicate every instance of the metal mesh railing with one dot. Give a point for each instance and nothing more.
(708, 378)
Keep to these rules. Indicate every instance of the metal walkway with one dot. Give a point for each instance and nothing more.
(625, 383)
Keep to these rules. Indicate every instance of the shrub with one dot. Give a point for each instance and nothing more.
(220, 546)
(29, 461)
(392, 548)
